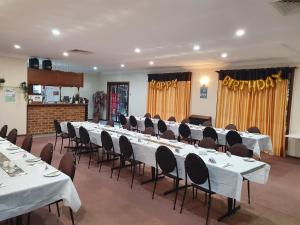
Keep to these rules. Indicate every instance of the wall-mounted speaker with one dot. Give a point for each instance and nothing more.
(34, 63)
(47, 64)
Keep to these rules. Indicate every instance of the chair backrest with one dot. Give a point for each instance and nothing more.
(125, 147)
(210, 132)
(231, 127)
(207, 124)
(12, 136)
(161, 125)
(239, 150)
(47, 153)
(84, 136)
(165, 159)
(132, 121)
(149, 130)
(156, 116)
(147, 115)
(184, 130)
(122, 119)
(126, 126)
(57, 127)
(196, 169)
(233, 137)
(168, 134)
(96, 118)
(186, 120)
(254, 130)
(67, 165)
(106, 141)
(71, 130)
(27, 143)
(3, 131)
(110, 123)
(148, 122)
(172, 118)
(207, 142)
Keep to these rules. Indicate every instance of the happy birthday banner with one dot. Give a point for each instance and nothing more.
(254, 80)
(163, 84)
(164, 81)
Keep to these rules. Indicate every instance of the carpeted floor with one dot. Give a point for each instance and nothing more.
(108, 202)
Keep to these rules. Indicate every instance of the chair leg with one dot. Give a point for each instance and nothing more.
(119, 169)
(57, 208)
(28, 218)
(184, 194)
(62, 143)
(208, 209)
(55, 141)
(155, 181)
(81, 146)
(133, 175)
(176, 193)
(91, 152)
(71, 214)
(248, 192)
(102, 158)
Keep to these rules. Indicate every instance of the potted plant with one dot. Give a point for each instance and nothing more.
(24, 88)
(2, 81)
(77, 98)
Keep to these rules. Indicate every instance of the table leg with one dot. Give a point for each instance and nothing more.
(152, 176)
(231, 209)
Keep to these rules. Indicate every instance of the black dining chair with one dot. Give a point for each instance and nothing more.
(133, 123)
(254, 130)
(12, 136)
(3, 131)
(122, 120)
(85, 143)
(148, 122)
(172, 119)
(149, 130)
(127, 155)
(59, 133)
(185, 133)
(27, 143)
(207, 142)
(233, 137)
(185, 120)
(242, 151)
(197, 171)
(147, 115)
(166, 162)
(231, 127)
(162, 127)
(108, 148)
(210, 132)
(73, 138)
(168, 134)
(156, 116)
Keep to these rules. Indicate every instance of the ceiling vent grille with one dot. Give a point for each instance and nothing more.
(81, 52)
(287, 7)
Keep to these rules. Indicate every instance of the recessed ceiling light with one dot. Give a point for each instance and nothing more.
(240, 32)
(151, 63)
(55, 32)
(224, 55)
(95, 68)
(122, 65)
(17, 46)
(65, 54)
(137, 50)
(196, 47)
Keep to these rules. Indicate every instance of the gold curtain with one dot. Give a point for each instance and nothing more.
(264, 109)
(170, 101)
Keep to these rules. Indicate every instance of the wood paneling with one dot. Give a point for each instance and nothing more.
(55, 78)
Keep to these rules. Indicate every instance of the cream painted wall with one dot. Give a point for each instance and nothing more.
(14, 114)
(91, 85)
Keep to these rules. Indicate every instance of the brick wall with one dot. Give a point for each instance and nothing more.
(40, 117)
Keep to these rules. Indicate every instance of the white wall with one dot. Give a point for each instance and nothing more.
(91, 85)
(14, 114)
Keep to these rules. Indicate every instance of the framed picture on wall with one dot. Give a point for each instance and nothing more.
(203, 92)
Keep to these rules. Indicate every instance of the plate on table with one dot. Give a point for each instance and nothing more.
(52, 174)
(13, 148)
(247, 159)
(33, 160)
(211, 150)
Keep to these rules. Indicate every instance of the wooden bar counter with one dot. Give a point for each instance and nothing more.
(40, 117)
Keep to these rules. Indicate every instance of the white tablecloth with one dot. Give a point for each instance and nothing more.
(254, 142)
(25, 193)
(224, 181)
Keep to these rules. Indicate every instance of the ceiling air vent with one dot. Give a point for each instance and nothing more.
(287, 7)
(79, 51)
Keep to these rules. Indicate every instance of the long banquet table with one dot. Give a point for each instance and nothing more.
(226, 175)
(29, 189)
(254, 142)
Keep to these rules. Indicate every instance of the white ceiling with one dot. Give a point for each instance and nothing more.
(165, 30)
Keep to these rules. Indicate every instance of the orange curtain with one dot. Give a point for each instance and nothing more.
(172, 101)
(264, 109)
